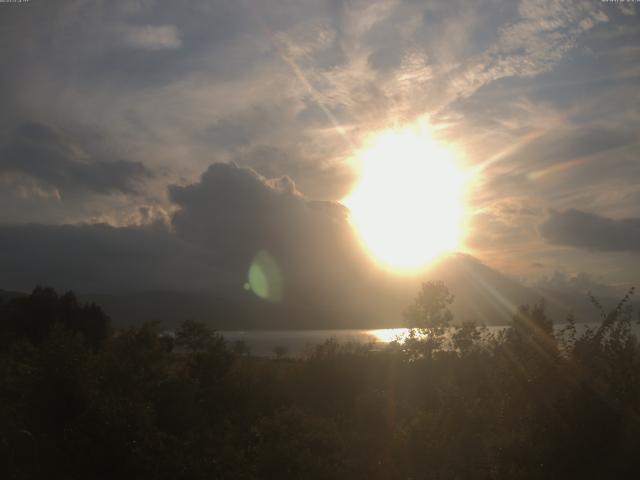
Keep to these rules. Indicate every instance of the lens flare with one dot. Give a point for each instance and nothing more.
(265, 277)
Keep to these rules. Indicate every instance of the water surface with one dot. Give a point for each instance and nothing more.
(298, 342)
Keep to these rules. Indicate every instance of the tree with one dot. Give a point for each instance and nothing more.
(428, 318)
(195, 336)
(468, 337)
(240, 348)
(430, 309)
(279, 351)
(33, 317)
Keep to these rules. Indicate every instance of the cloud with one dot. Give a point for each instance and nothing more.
(592, 232)
(47, 155)
(252, 125)
(533, 44)
(561, 164)
(316, 176)
(560, 282)
(223, 222)
(234, 209)
(101, 258)
(236, 213)
(503, 225)
(291, 90)
(150, 37)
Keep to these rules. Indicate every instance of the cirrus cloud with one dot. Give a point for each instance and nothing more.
(151, 37)
(45, 154)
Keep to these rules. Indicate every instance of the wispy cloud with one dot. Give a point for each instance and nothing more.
(531, 92)
(150, 37)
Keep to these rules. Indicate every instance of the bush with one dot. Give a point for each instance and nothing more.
(78, 400)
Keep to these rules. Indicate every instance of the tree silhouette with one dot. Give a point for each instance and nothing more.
(428, 317)
(452, 402)
(33, 317)
(195, 336)
(280, 351)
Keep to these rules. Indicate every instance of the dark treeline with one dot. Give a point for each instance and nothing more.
(79, 400)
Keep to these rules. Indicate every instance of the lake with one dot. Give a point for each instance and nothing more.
(297, 342)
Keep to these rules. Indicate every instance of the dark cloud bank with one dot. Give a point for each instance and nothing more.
(47, 155)
(222, 222)
(580, 229)
(196, 266)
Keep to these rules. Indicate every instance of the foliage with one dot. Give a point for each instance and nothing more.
(78, 400)
(428, 318)
(280, 351)
(33, 318)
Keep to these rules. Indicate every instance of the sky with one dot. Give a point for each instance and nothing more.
(164, 145)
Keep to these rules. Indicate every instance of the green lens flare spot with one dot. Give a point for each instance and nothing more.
(265, 278)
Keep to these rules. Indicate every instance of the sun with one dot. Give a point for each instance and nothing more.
(407, 207)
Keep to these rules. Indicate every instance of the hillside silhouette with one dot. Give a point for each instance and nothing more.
(483, 295)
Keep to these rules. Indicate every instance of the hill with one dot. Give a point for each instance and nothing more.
(482, 294)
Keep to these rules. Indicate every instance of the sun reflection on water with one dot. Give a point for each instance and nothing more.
(388, 335)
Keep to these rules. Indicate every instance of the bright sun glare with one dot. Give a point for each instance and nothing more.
(407, 207)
